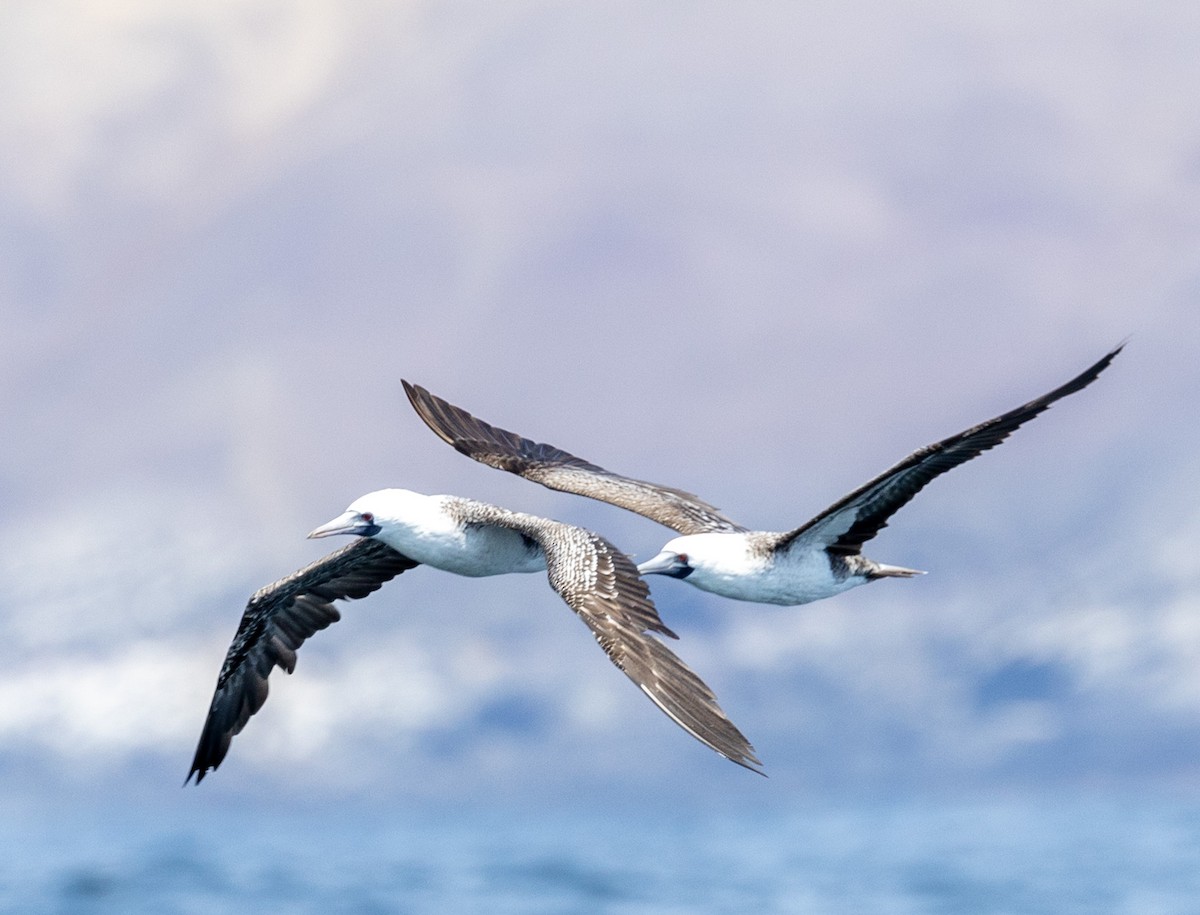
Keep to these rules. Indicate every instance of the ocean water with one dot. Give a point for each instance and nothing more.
(1030, 856)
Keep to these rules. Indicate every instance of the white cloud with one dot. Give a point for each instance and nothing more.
(143, 99)
(114, 567)
(80, 705)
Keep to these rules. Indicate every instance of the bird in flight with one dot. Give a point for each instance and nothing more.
(818, 559)
(398, 530)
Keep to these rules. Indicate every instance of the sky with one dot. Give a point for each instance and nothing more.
(757, 251)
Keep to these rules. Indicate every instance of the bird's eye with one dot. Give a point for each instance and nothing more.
(368, 517)
(683, 558)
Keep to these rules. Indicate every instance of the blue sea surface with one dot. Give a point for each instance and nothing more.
(1029, 856)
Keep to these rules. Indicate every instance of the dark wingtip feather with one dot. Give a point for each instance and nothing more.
(875, 501)
(277, 621)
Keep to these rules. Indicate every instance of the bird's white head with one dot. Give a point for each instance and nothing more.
(372, 513)
(708, 560)
(673, 561)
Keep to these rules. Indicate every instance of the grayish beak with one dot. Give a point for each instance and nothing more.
(349, 522)
(665, 563)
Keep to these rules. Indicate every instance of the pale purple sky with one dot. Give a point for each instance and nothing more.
(760, 252)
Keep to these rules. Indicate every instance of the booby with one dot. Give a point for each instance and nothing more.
(819, 559)
(399, 530)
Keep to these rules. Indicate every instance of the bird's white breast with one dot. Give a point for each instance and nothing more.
(729, 565)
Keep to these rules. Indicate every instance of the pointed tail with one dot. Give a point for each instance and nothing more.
(882, 571)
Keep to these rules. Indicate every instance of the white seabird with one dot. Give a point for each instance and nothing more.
(819, 559)
(400, 530)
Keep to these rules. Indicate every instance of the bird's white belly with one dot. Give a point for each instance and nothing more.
(789, 580)
(476, 551)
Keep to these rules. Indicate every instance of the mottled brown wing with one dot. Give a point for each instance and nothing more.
(556, 469)
(845, 526)
(277, 620)
(602, 585)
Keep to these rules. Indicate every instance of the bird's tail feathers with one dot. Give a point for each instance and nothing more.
(883, 571)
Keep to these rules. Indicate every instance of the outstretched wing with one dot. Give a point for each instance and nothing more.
(277, 621)
(602, 585)
(554, 468)
(845, 526)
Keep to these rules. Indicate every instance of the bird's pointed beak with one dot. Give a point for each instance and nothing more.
(667, 562)
(349, 522)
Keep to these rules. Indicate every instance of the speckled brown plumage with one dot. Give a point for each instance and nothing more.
(554, 468)
(602, 585)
